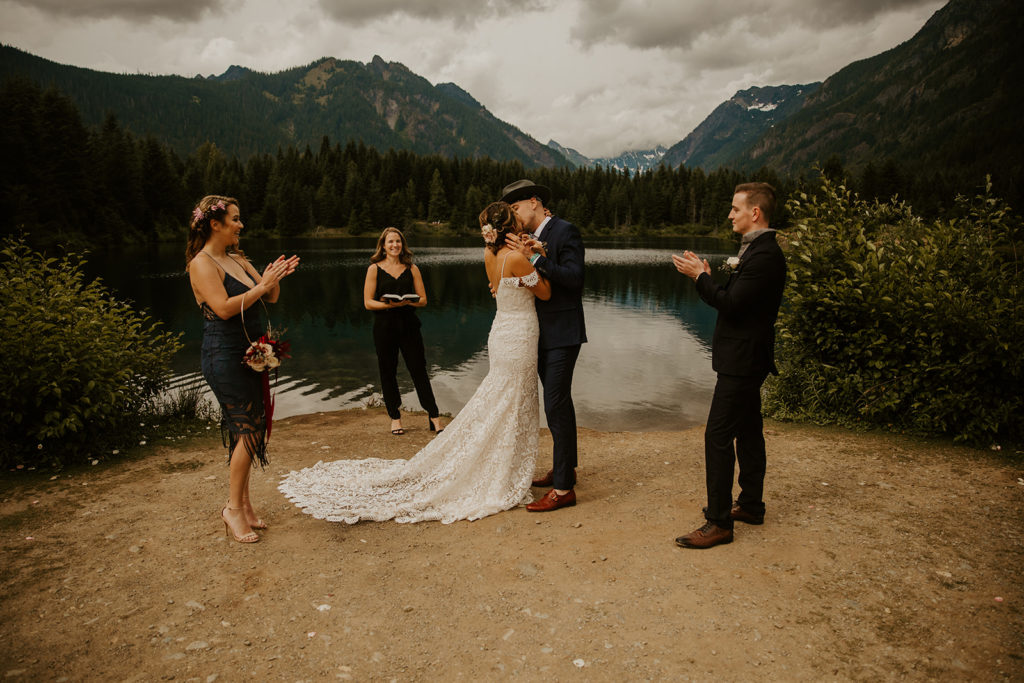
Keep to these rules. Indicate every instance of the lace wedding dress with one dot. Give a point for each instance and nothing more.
(482, 463)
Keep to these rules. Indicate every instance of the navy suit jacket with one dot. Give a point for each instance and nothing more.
(748, 304)
(561, 316)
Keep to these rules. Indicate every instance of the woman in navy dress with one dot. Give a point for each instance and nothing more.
(225, 283)
(396, 327)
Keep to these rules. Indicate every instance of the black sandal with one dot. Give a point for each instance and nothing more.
(398, 432)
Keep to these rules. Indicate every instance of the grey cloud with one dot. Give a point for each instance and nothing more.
(134, 10)
(460, 11)
(648, 24)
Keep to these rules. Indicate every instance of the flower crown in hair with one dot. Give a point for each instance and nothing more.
(198, 214)
(489, 234)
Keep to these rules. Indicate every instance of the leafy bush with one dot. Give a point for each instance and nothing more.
(888, 321)
(80, 368)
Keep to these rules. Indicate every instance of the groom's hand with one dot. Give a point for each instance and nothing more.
(533, 246)
(514, 241)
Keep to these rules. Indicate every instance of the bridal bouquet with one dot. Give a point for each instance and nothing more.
(266, 352)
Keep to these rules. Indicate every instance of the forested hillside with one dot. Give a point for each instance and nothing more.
(931, 116)
(245, 112)
(65, 182)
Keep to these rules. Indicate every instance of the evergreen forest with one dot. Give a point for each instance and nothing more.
(67, 183)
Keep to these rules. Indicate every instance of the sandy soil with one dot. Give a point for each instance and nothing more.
(882, 558)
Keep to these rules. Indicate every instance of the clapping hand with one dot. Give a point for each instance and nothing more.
(690, 265)
(279, 269)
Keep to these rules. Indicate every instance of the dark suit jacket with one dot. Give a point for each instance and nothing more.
(748, 304)
(561, 316)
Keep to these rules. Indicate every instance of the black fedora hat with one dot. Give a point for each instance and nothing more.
(524, 189)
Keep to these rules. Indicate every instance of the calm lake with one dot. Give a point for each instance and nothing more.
(646, 367)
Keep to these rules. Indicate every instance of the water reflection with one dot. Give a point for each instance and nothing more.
(647, 365)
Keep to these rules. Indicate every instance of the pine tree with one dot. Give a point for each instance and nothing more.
(437, 208)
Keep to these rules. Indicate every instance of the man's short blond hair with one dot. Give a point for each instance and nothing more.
(761, 195)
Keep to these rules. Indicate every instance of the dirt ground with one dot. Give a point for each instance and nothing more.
(881, 558)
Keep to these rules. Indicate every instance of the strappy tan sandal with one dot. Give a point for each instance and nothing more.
(251, 537)
(259, 523)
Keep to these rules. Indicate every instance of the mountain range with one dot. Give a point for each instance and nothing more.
(736, 124)
(947, 99)
(944, 103)
(384, 104)
(634, 160)
(726, 133)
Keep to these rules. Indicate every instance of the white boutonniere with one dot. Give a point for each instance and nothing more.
(731, 263)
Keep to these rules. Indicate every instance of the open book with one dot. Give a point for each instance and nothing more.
(395, 298)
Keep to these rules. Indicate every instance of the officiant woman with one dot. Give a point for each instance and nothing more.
(396, 328)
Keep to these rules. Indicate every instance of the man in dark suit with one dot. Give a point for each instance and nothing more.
(557, 253)
(742, 353)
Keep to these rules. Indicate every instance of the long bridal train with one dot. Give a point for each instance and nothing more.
(482, 463)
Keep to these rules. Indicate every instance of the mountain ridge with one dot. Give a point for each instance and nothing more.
(637, 160)
(736, 124)
(947, 98)
(244, 112)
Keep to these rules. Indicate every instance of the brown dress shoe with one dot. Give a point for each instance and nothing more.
(707, 536)
(549, 480)
(738, 514)
(552, 501)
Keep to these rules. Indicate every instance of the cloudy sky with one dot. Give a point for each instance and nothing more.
(600, 76)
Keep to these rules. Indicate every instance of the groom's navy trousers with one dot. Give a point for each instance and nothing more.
(562, 331)
(555, 367)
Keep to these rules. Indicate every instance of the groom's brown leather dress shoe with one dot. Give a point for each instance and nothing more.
(549, 479)
(738, 514)
(707, 536)
(552, 501)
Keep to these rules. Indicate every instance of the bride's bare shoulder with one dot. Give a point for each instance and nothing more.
(518, 264)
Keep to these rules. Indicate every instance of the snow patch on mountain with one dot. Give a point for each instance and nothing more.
(634, 160)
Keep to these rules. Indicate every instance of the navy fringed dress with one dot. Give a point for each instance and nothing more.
(238, 388)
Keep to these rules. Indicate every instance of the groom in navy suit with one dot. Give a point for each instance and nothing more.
(742, 353)
(557, 254)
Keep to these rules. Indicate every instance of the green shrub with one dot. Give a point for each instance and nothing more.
(80, 368)
(889, 321)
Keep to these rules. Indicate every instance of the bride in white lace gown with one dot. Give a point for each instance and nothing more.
(483, 461)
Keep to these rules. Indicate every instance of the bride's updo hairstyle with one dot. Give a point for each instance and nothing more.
(497, 221)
